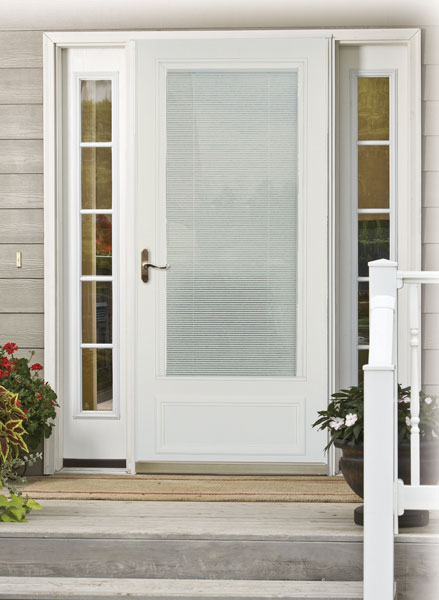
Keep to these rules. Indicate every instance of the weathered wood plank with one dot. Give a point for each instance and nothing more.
(40, 588)
(186, 559)
(21, 49)
(32, 261)
(21, 86)
(21, 122)
(21, 191)
(27, 331)
(21, 296)
(21, 226)
(21, 156)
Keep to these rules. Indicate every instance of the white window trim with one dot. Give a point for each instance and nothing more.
(53, 43)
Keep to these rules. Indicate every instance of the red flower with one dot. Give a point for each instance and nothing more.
(52, 403)
(36, 367)
(25, 410)
(5, 362)
(10, 347)
(39, 396)
(17, 403)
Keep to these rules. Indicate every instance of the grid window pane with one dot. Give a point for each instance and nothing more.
(97, 312)
(97, 379)
(373, 108)
(96, 244)
(373, 240)
(363, 313)
(96, 178)
(95, 111)
(373, 177)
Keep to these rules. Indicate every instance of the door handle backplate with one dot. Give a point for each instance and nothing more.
(146, 265)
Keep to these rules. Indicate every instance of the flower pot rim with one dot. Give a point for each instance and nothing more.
(348, 444)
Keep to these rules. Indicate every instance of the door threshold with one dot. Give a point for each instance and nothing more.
(229, 468)
(91, 471)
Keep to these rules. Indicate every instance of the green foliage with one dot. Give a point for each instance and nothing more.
(11, 426)
(16, 508)
(344, 417)
(9, 471)
(37, 398)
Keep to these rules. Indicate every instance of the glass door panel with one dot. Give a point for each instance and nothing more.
(231, 179)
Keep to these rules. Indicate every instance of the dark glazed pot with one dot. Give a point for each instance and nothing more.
(351, 465)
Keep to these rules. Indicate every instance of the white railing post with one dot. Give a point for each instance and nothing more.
(415, 385)
(379, 396)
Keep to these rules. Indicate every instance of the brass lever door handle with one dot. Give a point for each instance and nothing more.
(146, 265)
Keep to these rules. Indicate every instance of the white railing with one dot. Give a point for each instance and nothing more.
(386, 497)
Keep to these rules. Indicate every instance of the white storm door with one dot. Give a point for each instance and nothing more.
(231, 163)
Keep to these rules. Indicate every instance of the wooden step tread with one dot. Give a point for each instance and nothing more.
(69, 588)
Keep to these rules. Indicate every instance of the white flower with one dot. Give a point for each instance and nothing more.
(428, 400)
(336, 423)
(408, 421)
(351, 419)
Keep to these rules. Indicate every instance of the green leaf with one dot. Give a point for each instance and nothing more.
(18, 513)
(15, 501)
(4, 501)
(6, 518)
(33, 504)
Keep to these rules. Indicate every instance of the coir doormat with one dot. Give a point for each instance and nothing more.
(192, 488)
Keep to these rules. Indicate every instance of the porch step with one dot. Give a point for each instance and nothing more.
(69, 588)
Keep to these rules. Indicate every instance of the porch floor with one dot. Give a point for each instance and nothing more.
(90, 542)
(190, 520)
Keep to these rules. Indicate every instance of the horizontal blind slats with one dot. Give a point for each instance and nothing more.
(231, 181)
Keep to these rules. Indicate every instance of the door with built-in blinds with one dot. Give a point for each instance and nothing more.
(231, 196)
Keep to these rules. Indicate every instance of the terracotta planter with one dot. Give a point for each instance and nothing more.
(351, 465)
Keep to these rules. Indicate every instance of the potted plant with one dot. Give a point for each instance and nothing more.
(22, 377)
(344, 420)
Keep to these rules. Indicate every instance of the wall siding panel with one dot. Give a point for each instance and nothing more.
(430, 331)
(430, 153)
(32, 261)
(430, 257)
(21, 156)
(431, 118)
(431, 225)
(21, 49)
(27, 331)
(21, 296)
(430, 45)
(430, 367)
(21, 226)
(430, 82)
(21, 122)
(22, 86)
(21, 191)
(430, 188)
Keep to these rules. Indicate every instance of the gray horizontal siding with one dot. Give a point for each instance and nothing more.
(25, 330)
(21, 296)
(21, 226)
(21, 49)
(21, 156)
(21, 190)
(21, 122)
(21, 86)
(32, 261)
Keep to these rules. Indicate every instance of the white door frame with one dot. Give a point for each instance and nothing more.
(54, 43)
